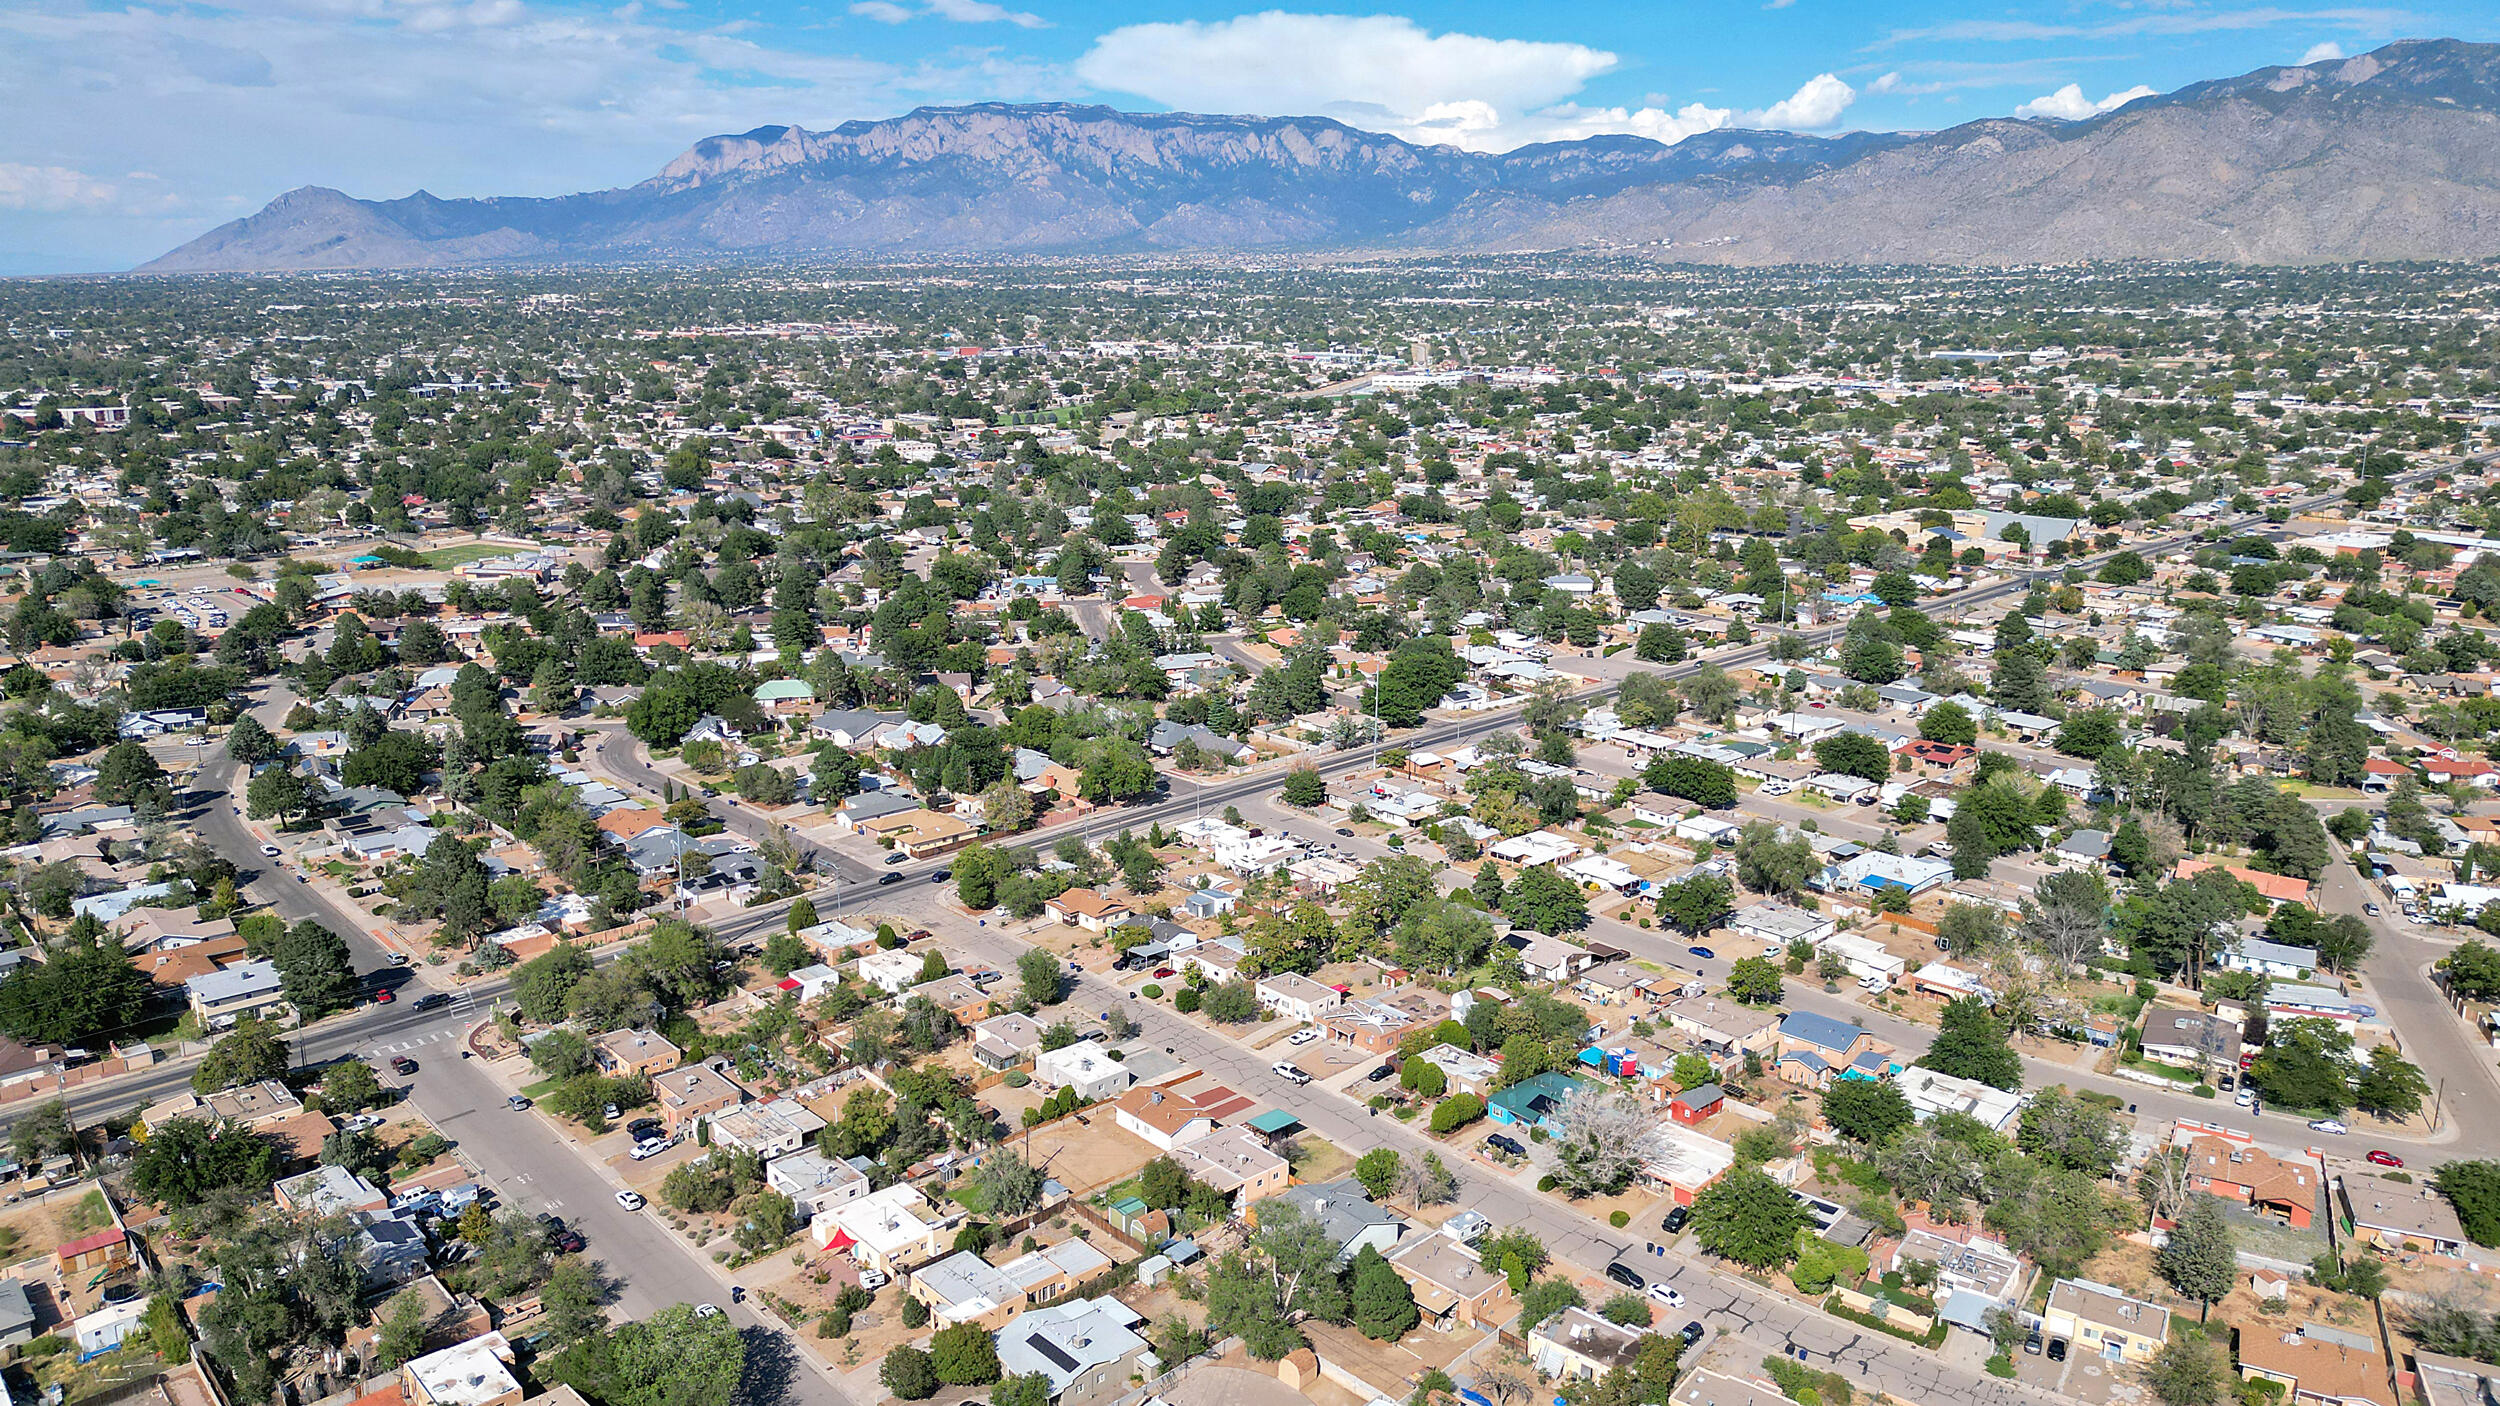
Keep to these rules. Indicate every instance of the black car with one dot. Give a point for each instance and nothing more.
(433, 1002)
(2057, 1349)
(884, 879)
(1676, 1217)
(1626, 1275)
(1511, 1145)
(1691, 1333)
(941, 876)
(1383, 1072)
(1346, 833)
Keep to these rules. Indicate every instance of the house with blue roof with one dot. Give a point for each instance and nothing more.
(1531, 1102)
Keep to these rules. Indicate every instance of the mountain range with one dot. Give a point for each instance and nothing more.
(2392, 154)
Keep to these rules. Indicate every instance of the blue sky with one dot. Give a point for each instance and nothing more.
(126, 128)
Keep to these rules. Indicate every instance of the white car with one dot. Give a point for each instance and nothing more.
(707, 1310)
(272, 851)
(1303, 1036)
(1290, 1072)
(630, 1200)
(2245, 1097)
(1667, 1294)
(2329, 1125)
(363, 1122)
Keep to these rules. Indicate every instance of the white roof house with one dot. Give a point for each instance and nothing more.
(1533, 848)
(1931, 1093)
(1083, 1067)
(888, 1229)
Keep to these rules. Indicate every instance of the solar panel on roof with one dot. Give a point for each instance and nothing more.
(1050, 1349)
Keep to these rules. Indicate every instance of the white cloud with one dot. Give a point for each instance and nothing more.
(1387, 73)
(2367, 20)
(53, 189)
(959, 11)
(2070, 103)
(2326, 51)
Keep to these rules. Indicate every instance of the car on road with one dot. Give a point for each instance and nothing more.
(2380, 1158)
(1702, 952)
(403, 1065)
(433, 1002)
(884, 879)
(1691, 1332)
(898, 857)
(1290, 1072)
(707, 1310)
(1500, 1142)
(272, 851)
(1667, 1294)
(518, 1103)
(2057, 1349)
(2328, 1125)
(1347, 834)
(399, 959)
(631, 1200)
(941, 876)
(1626, 1275)
(2370, 908)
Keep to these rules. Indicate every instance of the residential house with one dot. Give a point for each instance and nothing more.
(2195, 1039)
(2279, 960)
(220, 998)
(2401, 1218)
(1547, 958)
(2101, 1320)
(1005, 1041)
(629, 1054)
(2318, 1365)
(1085, 1350)
(1715, 1021)
(1348, 1216)
(1452, 1287)
(889, 1230)
(1162, 1117)
(478, 1372)
(769, 1130)
(2275, 889)
(814, 1182)
(1779, 924)
(1577, 1345)
(965, 1288)
(1532, 1101)
(1084, 1067)
(1931, 1092)
(955, 994)
(329, 1191)
(692, 1093)
(1296, 997)
(1815, 1049)
(1088, 909)
(2248, 1175)
(1236, 1161)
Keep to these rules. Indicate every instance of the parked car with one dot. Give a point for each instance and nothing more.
(707, 1310)
(898, 857)
(650, 1147)
(611, 1113)
(2032, 1344)
(1348, 834)
(2057, 1349)
(2385, 1159)
(272, 851)
(1626, 1275)
(1691, 1333)
(871, 1280)
(1502, 1143)
(399, 959)
(1702, 952)
(403, 1065)
(518, 1103)
(1291, 1073)
(383, 995)
(1667, 1294)
(1303, 1036)
(1674, 1223)
(1161, 973)
(631, 1200)
(2370, 908)
(1380, 1072)
(2245, 1097)
(362, 1122)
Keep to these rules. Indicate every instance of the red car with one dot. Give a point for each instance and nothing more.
(383, 996)
(1163, 973)
(2385, 1159)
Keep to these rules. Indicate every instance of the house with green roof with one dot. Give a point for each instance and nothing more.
(785, 695)
(1531, 1102)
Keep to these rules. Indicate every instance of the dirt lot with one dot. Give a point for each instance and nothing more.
(39, 1229)
(1087, 1156)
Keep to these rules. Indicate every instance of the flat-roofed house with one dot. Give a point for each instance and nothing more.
(628, 1054)
(1085, 1350)
(694, 1092)
(2400, 1217)
(889, 1230)
(477, 1372)
(2318, 1365)
(1236, 1161)
(2108, 1322)
(1297, 997)
(965, 1288)
(1452, 1286)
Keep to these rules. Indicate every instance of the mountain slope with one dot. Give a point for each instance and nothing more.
(2392, 154)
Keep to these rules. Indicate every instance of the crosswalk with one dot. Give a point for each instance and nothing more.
(418, 1041)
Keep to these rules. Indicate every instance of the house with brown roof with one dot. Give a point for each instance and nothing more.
(626, 1054)
(694, 1092)
(170, 970)
(1162, 1117)
(2250, 1176)
(2275, 889)
(2318, 1365)
(626, 822)
(1089, 909)
(1452, 1286)
(957, 996)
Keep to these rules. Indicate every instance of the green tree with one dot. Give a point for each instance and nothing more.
(1867, 1110)
(964, 1355)
(908, 1374)
(1303, 787)
(2188, 1372)
(248, 1053)
(1747, 1217)
(2199, 1260)
(1754, 981)
(2473, 1189)
(1542, 900)
(1037, 972)
(1383, 1306)
(1854, 754)
(1948, 723)
(1971, 1044)
(314, 970)
(1379, 1172)
(2390, 1086)
(1697, 903)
